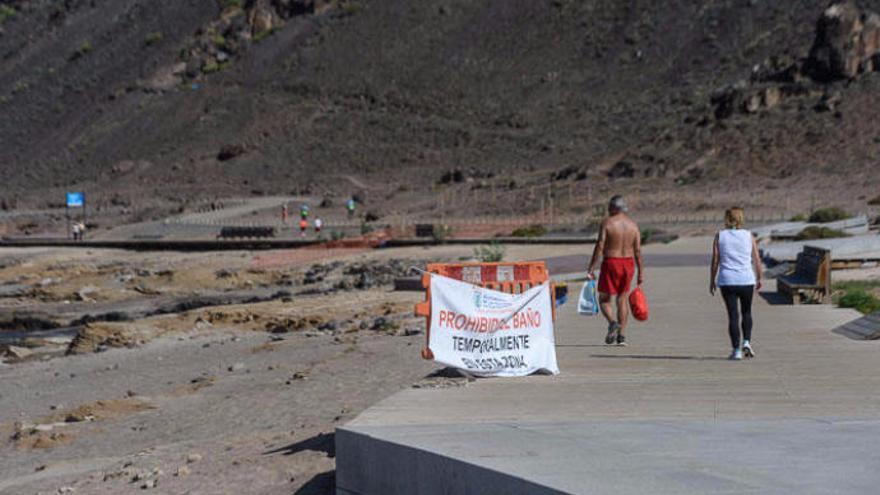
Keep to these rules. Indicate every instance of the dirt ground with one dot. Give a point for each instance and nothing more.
(228, 375)
(240, 397)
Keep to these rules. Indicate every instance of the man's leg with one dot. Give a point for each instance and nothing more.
(622, 312)
(623, 301)
(605, 306)
(607, 312)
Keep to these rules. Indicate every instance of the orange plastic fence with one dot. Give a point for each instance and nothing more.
(512, 278)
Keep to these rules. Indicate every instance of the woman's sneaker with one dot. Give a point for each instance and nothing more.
(613, 327)
(621, 340)
(736, 355)
(747, 351)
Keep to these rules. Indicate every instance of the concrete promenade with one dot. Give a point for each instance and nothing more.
(666, 415)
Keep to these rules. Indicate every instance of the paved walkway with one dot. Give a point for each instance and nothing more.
(667, 414)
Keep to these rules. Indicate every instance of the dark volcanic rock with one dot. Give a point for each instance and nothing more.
(847, 43)
(230, 151)
(622, 169)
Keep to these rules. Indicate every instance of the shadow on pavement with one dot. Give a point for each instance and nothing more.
(321, 484)
(673, 358)
(775, 298)
(322, 442)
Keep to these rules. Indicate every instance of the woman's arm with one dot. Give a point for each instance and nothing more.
(756, 260)
(713, 271)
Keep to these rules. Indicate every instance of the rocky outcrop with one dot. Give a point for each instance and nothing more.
(262, 17)
(221, 42)
(750, 97)
(847, 43)
(292, 8)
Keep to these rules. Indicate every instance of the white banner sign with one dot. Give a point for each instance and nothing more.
(491, 333)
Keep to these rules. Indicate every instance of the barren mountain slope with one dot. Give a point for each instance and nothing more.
(391, 92)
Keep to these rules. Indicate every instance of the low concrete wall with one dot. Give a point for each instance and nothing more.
(369, 465)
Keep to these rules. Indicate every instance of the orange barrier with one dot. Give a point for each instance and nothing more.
(512, 278)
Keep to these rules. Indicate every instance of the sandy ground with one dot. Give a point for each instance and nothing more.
(866, 274)
(238, 398)
(235, 398)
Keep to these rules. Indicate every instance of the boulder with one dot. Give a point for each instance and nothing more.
(230, 151)
(18, 352)
(292, 8)
(771, 97)
(262, 16)
(847, 41)
(728, 100)
(622, 169)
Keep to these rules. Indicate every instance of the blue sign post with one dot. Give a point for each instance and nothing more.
(76, 200)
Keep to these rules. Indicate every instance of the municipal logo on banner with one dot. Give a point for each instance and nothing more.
(478, 298)
(491, 333)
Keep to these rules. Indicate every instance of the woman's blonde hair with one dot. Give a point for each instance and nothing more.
(734, 218)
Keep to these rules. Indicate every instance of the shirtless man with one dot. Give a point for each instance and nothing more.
(620, 246)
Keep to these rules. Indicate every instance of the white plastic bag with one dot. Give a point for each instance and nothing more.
(588, 303)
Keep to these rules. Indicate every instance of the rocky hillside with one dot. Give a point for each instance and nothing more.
(135, 99)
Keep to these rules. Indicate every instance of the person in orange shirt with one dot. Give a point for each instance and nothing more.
(303, 225)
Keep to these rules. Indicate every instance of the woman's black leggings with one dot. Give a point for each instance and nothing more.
(744, 293)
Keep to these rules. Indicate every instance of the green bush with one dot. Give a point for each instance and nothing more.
(6, 12)
(825, 215)
(337, 235)
(493, 253)
(229, 4)
(218, 40)
(875, 201)
(153, 38)
(262, 35)
(800, 217)
(647, 233)
(80, 52)
(531, 231)
(851, 285)
(859, 300)
(212, 67)
(351, 8)
(813, 232)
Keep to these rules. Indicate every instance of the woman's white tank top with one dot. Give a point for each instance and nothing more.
(735, 248)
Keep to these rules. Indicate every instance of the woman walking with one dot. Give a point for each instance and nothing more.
(736, 269)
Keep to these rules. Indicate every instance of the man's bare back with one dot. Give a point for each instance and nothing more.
(621, 235)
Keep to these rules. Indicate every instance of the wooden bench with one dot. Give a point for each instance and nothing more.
(246, 232)
(811, 279)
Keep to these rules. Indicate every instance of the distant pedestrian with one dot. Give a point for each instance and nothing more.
(736, 268)
(304, 211)
(303, 225)
(284, 212)
(318, 224)
(620, 248)
(349, 206)
(75, 230)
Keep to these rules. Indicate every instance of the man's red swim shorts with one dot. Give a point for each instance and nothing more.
(616, 275)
